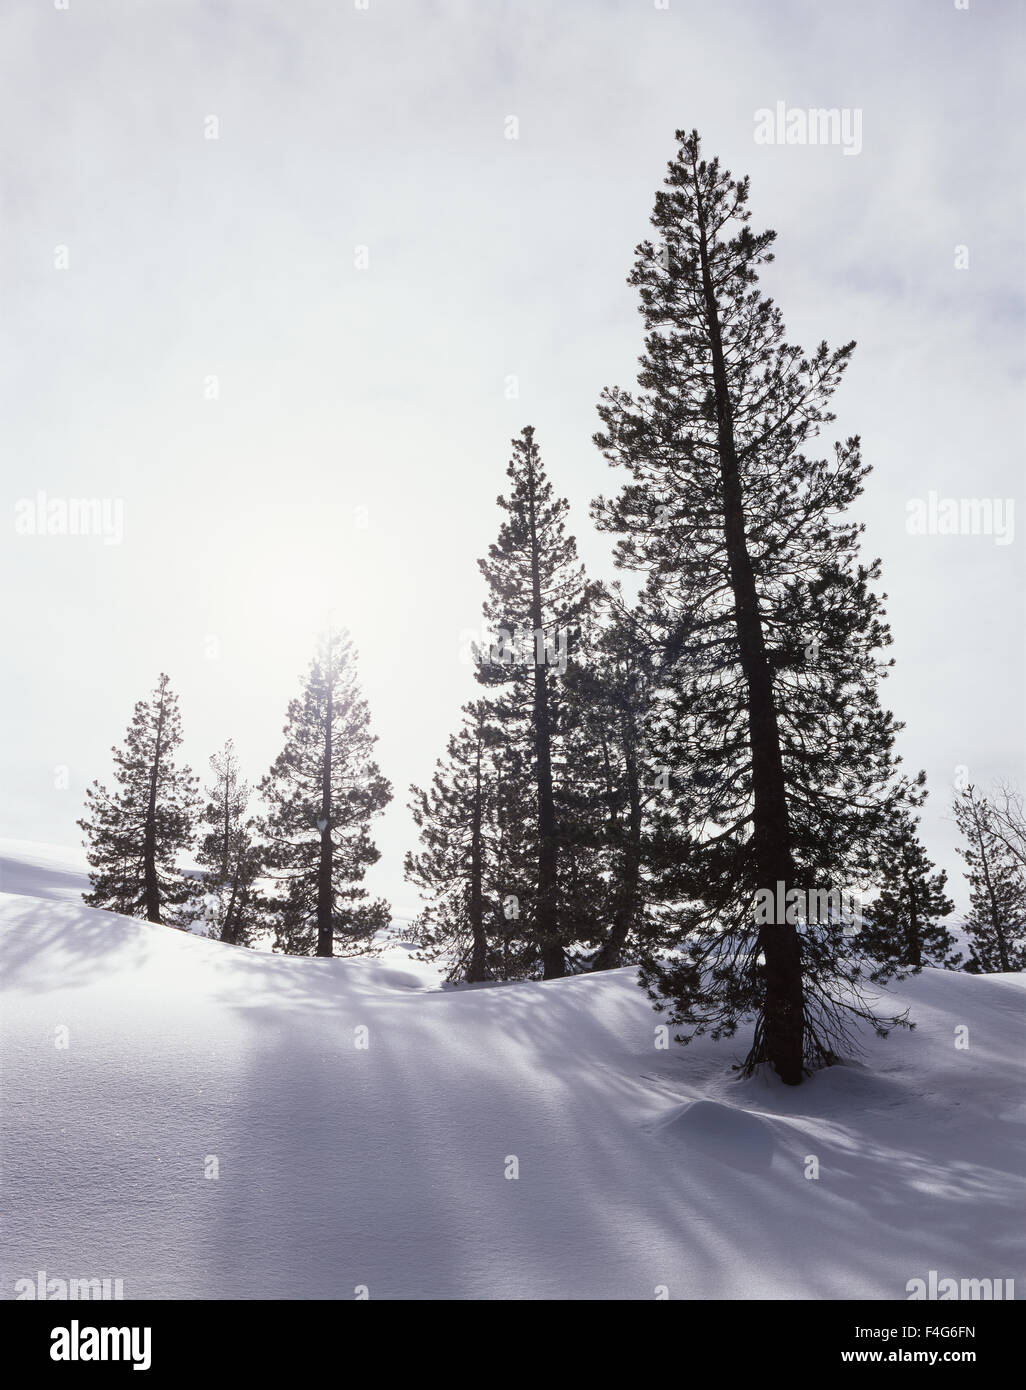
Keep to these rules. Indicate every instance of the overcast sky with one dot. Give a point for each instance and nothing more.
(379, 379)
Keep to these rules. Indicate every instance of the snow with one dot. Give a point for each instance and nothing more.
(43, 871)
(385, 1166)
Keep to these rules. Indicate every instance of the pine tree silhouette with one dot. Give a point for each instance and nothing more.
(135, 833)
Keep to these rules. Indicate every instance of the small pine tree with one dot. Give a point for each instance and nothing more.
(135, 833)
(996, 924)
(455, 869)
(321, 794)
(228, 855)
(902, 926)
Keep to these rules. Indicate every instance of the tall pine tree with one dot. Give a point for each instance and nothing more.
(537, 603)
(321, 794)
(779, 752)
(996, 924)
(135, 833)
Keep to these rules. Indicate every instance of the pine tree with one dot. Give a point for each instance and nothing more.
(516, 844)
(321, 794)
(612, 701)
(779, 752)
(996, 924)
(229, 855)
(457, 817)
(538, 602)
(902, 926)
(1008, 819)
(135, 833)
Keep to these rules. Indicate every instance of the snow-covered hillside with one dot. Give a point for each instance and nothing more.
(362, 1122)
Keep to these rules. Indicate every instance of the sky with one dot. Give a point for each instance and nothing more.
(279, 288)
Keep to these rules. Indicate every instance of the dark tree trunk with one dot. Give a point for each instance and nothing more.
(995, 915)
(478, 959)
(229, 931)
(325, 933)
(151, 884)
(624, 915)
(783, 1025)
(546, 916)
(915, 945)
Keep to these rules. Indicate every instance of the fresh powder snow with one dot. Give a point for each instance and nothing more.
(204, 1121)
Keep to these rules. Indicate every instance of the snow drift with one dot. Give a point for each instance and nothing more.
(202, 1121)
